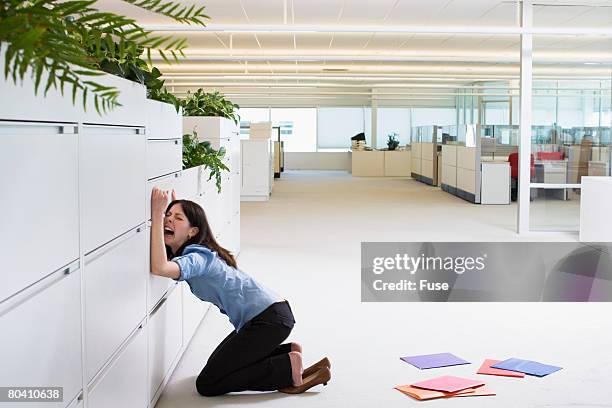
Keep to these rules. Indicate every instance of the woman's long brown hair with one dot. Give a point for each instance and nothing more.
(197, 218)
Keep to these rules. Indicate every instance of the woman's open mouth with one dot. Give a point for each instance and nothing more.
(168, 232)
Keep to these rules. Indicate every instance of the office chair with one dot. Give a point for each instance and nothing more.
(514, 170)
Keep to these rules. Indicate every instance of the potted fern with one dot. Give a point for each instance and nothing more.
(65, 43)
(200, 156)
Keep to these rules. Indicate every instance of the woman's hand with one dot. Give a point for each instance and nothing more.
(159, 202)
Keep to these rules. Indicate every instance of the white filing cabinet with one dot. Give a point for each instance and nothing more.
(222, 209)
(112, 182)
(40, 343)
(79, 178)
(115, 296)
(123, 383)
(165, 338)
(164, 157)
(257, 169)
(39, 181)
(194, 311)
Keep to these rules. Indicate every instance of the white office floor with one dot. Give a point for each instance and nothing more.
(305, 244)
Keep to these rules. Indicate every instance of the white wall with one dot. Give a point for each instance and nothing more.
(318, 161)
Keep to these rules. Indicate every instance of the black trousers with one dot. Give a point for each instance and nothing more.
(253, 358)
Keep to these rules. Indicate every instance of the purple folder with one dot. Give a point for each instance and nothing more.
(434, 360)
(527, 367)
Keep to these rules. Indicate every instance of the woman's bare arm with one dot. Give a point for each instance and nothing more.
(159, 262)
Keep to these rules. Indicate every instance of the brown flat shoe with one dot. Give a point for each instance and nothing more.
(315, 367)
(322, 376)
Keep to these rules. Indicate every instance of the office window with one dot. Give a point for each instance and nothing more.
(392, 120)
(433, 116)
(336, 126)
(251, 115)
(298, 128)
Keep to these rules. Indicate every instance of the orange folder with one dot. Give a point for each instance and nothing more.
(423, 394)
(486, 368)
(483, 391)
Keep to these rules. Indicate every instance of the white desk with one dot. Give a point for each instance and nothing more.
(381, 163)
(397, 163)
(368, 163)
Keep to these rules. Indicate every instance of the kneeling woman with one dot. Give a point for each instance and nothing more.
(251, 357)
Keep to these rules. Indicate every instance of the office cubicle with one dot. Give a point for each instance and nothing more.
(475, 163)
(424, 142)
(460, 162)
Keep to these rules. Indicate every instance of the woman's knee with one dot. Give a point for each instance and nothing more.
(207, 389)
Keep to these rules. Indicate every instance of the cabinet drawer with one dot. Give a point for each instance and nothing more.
(194, 310)
(188, 187)
(124, 382)
(115, 295)
(211, 203)
(165, 338)
(112, 169)
(164, 157)
(37, 161)
(158, 285)
(184, 183)
(40, 343)
(166, 183)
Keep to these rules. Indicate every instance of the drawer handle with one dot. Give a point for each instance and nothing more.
(176, 142)
(159, 305)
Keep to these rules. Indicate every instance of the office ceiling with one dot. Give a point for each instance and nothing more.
(243, 49)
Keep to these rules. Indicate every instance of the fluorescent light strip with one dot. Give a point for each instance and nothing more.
(293, 29)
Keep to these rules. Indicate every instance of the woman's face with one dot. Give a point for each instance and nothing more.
(177, 230)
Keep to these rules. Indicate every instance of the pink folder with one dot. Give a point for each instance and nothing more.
(486, 368)
(483, 391)
(448, 383)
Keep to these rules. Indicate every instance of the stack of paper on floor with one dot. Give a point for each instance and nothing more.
(527, 367)
(486, 368)
(434, 360)
(445, 387)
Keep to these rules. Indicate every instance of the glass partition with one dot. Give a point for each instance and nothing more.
(570, 138)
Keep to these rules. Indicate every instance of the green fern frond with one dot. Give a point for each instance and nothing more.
(181, 13)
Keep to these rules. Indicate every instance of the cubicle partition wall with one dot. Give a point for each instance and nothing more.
(461, 172)
(424, 153)
(472, 169)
